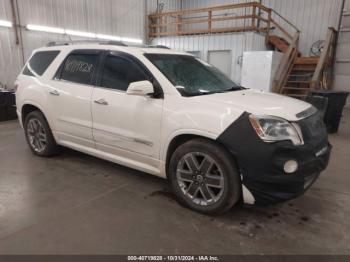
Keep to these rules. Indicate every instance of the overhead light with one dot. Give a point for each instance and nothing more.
(108, 37)
(5, 23)
(45, 29)
(79, 33)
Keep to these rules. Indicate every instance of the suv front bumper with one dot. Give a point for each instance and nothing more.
(262, 164)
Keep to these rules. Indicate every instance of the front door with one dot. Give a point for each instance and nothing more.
(125, 124)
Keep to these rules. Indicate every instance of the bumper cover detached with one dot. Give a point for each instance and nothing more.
(262, 164)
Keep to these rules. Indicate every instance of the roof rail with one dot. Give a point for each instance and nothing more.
(158, 46)
(100, 42)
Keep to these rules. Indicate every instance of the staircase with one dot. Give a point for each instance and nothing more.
(298, 82)
(299, 78)
(302, 74)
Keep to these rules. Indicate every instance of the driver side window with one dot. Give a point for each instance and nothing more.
(119, 72)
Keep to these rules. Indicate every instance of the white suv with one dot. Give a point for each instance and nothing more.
(172, 115)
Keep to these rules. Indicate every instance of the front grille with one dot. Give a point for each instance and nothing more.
(313, 128)
(306, 113)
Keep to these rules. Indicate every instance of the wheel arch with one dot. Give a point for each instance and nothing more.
(29, 107)
(183, 137)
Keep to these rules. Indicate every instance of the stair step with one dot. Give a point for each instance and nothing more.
(306, 60)
(296, 88)
(298, 81)
(303, 68)
(301, 76)
(280, 43)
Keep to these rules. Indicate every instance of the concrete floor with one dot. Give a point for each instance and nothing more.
(77, 204)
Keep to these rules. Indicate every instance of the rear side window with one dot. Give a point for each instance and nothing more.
(80, 68)
(119, 72)
(39, 62)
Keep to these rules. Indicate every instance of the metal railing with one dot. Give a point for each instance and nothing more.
(242, 17)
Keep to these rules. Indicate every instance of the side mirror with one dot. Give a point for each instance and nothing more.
(140, 88)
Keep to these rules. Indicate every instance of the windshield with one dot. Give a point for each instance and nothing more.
(192, 76)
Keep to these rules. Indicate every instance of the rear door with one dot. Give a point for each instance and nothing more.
(70, 96)
(122, 123)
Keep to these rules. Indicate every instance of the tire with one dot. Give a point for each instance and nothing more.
(47, 146)
(192, 169)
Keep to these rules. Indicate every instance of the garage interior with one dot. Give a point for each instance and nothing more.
(77, 204)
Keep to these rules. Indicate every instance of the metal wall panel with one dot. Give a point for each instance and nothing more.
(10, 57)
(312, 17)
(124, 18)
(236, 43)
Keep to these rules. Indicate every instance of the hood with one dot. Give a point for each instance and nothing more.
(258, 102)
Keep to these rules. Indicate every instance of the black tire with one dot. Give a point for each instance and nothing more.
(231, 190)
(50, 148)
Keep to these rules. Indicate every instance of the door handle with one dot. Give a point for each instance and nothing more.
(101, 102)
(54, 92)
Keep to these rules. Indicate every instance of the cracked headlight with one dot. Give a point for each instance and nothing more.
(272, 129)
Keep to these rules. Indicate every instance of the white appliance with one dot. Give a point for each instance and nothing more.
(259, 69)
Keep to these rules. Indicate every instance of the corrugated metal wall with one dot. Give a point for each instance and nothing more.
(124, 18)
(10, 56)
(237, 43)
(312, 17)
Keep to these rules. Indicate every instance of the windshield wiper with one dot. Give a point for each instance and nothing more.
(234, 88)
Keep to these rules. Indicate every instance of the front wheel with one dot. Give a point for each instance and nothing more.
(204, 177)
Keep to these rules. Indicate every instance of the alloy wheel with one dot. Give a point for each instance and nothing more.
(36, 135)
(200, 178)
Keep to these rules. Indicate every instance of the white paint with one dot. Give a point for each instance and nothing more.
(248, 198)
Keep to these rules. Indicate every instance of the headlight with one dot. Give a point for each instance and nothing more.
(272, 129)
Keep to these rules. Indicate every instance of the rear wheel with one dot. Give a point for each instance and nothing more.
(39, 135)
(204, 177)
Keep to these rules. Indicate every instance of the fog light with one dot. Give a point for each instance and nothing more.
(290, 166)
